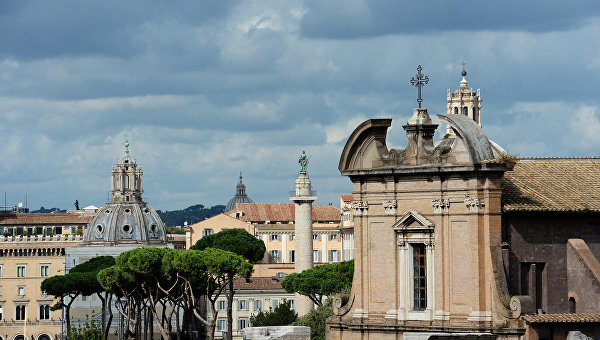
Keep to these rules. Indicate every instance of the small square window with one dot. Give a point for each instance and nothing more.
(21, 291)
(316, 237)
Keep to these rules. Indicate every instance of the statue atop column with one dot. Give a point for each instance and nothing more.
(303, 160)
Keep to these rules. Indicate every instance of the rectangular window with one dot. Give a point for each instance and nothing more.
(19, 231)
(292, 237)
(275, 238)
(206, 232)
(48, 231)
(292, 303)
(334, 255)
(39, 230)
(58, 230)
(275, 303)
(0, 270)
(316, 237)
(1, 312)
(243, 323)
(419, 277)
(274, 256)
(222, 305)
(44, 270)
(292, 257)
(316, 256)
(257, 305)
(21, 271)
(221, 325)
(44, 312)
(21, 291)
(334, 237)
(20, 312)
(243, 305)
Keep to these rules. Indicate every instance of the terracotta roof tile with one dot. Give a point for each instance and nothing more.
(552, 184)
(347, 198)
(563, 318)
(284, 212)
(258, 283)
(44, 219)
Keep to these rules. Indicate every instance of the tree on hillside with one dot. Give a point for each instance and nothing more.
(320, 281)
(240, 242)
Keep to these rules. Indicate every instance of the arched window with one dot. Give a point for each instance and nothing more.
(475, 118)
(456, 110)
(465, 111)
(572, 305)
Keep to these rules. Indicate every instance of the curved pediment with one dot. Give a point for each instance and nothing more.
(471, 144)
(366, 145)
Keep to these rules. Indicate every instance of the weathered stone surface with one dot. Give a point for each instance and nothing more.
(277, 333)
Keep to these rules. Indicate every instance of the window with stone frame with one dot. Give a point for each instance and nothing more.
(44, 270)
(206, 232)
(334, 237)
(257, 305)
(274, 256)
(317, 256)
(221, 305)
(20, 312)
(274, 237)
(21, 271)
(44, 312)
(221, 325)
(243, 323)
(275, 303)
(419, 277)
(292, 257)
(1, 312)
(243, 305)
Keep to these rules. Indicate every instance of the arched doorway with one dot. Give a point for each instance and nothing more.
(19, 337)
(44, 337)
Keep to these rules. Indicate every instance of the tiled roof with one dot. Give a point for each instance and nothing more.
(258, 283)
(44, 219)
(552, 184)
(284, 212)
(563, 318)
(346, 198)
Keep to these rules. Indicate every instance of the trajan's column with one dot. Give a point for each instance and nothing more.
(303, 196)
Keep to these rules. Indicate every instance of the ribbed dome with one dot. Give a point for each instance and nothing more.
(127, 218)
(240, 196)
(135, 222)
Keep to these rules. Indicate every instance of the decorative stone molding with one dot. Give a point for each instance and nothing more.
(360, 314)
(474, 205)
(414, 227)
(440, 205)
(360, 208)
(390, 207)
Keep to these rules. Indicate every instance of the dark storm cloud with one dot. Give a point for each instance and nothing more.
(343, 19)
(47, 29)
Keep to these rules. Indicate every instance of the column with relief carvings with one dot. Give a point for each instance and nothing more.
(303, 197)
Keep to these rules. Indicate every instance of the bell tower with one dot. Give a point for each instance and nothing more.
(126, 185)
(464, 101)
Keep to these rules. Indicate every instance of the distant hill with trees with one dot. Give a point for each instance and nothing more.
(43, 210)
(193, 214)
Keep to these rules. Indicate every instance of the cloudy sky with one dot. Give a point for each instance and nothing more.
(205, 89)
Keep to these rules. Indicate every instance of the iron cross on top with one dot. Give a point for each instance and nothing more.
(419, 82)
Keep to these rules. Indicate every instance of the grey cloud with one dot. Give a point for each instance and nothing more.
(363, 19)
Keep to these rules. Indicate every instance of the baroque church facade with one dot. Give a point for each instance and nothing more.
(455, 240)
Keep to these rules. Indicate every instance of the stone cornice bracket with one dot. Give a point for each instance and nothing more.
(440, 205)
(360, 208)
(389, 206)
(474, 205)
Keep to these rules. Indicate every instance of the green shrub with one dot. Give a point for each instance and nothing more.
(283, 315)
